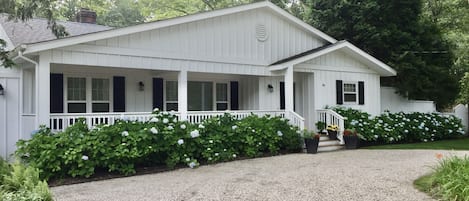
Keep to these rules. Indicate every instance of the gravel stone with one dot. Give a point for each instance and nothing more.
(381, 175)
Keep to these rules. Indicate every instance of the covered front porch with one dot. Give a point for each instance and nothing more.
(102, 95)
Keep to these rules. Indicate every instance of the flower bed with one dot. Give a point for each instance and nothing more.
(401, 127)
(79, 152)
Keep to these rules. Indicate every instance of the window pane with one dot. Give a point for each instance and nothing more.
(171, 91)
(200, 96)
(76, 89)
(171, 106)
(100, 107)
(350, 97)
(349, 88)
(222, 106)
(100, 89)
(222, 92)
(77, 108)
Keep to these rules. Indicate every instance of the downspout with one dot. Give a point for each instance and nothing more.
(36, 77)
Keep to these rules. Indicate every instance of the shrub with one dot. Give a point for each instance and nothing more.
(121, 147)
(401, 127)
(19, 183)
(449, 180)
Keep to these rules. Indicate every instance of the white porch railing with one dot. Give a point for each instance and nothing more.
(331, 117)
(59, 122)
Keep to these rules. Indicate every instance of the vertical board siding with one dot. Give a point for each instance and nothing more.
(229, 37)
(9, 116)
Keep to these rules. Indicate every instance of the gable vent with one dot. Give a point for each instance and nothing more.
(261, 32)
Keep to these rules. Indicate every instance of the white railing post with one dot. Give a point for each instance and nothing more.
(330, 117)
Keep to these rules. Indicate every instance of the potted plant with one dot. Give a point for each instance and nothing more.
(311, 142)
(351, 138)
(332, 131)
(321, 126)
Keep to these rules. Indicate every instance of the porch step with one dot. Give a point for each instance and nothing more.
(330, 148)
(325, 144)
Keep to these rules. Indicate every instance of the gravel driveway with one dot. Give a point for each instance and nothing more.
(342, 175)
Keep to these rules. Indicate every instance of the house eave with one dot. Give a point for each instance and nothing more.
(381, 68)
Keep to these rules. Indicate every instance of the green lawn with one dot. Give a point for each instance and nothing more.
(456, 144)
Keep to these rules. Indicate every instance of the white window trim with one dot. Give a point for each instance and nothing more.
(228, 94)
(165, 101)
(356, 93)
(89, 102)
(214, 93)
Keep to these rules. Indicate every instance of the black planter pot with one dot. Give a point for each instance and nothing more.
(351, 141)
(311, 145)
(332, 135)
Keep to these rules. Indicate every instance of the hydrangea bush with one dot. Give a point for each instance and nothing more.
(401, 127)
(125, 145)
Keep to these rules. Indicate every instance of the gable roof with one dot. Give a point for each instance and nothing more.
(378, 66)
(45, 45)
(35, 30)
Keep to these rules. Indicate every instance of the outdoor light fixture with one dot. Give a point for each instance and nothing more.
(141, 86)
(270, 88)
(2, 91)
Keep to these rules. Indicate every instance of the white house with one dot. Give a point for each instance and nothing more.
(254, 58)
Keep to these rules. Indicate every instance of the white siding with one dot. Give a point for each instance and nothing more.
(249, 93)
(325, 90)
(336, 61)
(269, 100)
(225, 39)
(9, 115)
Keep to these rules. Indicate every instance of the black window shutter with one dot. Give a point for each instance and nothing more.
(339, 92)
(234, 92)
(282, 95)
(158, 93)
(119, 94)
(361, 93)
(56, 93)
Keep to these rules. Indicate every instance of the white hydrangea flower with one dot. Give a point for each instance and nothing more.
(84, 157)
(208, 149)
(224, 149)
(125, 133)
(195, 133)
(279, 133)
(376, 136)
(201, 126)
(406, 131)
(210, 141)
(165, 120)
(234, 155)
(192, 164)
(183, 126)
(165, 113)
(154, 130)
(170, 127)
(209, 158)
(154, 120)
(234, 127)
(180, 141)
(188, 159)
(175, 120)
(425, 140)
(123, 144)
(156, 109)
(216, 154)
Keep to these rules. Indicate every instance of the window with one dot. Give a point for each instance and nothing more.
(76, 95)
(100, 95)
(200, 96)
(222, 96)
(350, 92)
(171, 95)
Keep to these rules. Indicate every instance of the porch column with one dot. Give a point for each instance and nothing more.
(43, 89)
(182, 94)
(289, 88)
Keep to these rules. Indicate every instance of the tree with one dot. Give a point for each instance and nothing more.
(394, 32)
(25, 10)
